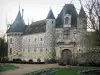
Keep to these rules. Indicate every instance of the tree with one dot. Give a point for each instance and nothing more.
(1, 46)
(92, 9)
(3, 49)
(91, 40)
(93, 13)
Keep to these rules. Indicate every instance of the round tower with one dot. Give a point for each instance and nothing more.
(82, 30)
(14, 34)
(50, 35)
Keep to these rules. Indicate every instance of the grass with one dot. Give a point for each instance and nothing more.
(71, 71)
(8, 67)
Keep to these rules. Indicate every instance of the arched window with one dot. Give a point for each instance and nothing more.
(67, 20)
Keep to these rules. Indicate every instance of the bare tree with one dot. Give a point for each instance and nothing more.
(93, 13)
(92, 9)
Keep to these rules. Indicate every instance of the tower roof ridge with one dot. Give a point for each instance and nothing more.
(82, 12)
(50, 14)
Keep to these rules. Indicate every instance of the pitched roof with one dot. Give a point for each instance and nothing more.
(67, 9)
(36, 27)
(18, 25)
(50, 15)
(82, 12)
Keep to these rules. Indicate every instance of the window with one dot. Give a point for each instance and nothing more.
(67, 20)
(52, 22)
(17, 53)
(41, 39)
(28, 50)
(40, 50)
(35, 39)
(46, 49)
(10, 50)
(34, 50)
(11, 41)
(29, 40)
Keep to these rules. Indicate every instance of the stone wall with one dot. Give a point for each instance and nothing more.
(14, 45)
(91, 55)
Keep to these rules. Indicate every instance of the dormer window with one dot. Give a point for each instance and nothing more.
(67, 20)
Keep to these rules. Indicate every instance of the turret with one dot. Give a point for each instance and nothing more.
(50, 32)
(82, 30)
(82, 19)
(14, 34)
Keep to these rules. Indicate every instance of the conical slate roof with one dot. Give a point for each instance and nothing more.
(50, 15)
(82, 13)
(18, 25)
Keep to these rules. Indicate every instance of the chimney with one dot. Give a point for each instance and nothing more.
(22, 12)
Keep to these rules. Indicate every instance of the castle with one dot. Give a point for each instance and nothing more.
(51, 38)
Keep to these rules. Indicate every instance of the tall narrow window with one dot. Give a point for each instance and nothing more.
(67, 20)
(40, 50)
(46, 49)
(52, 22)
(11, 41)
(35, 39)
(34, 49)
(41, 39)
(29, 40)
(10, 50)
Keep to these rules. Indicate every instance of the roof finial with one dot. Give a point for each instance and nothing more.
(6, 21)
(19, 6)
(50, 7)
(50, 15)
(71, 1)
(80, 3)
(28, 21)
(65, 2)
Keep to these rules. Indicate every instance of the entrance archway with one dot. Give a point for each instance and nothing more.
(66, 56)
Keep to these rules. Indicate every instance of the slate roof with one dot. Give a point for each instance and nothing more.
(36, 27)
(50, 15)
(18, 25)
(82, 13)
(67, 9)
(40, 26)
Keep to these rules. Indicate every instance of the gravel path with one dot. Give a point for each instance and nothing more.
(25, 68)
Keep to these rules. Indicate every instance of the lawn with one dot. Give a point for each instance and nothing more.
(72, 71)
(8, 67)
(64, 71)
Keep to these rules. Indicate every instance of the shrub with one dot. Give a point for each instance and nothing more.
(17, 60)
(38, 60)
(61, 62)
(75, 63)
(30, 61)
(50, 61)
(3, 59)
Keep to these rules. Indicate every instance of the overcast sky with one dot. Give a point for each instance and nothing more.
(33, 9)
